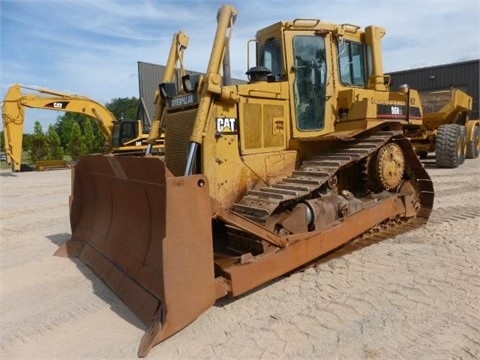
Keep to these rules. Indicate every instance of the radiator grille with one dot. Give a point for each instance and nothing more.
(178, 128)
(262, 126)
(252, 125)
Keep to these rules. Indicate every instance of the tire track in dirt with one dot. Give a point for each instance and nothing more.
(457, 190)
(47, 320)
(454, 213)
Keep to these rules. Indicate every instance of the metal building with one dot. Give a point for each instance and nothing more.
(462, 75)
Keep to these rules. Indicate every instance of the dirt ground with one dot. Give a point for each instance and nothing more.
(412, 296)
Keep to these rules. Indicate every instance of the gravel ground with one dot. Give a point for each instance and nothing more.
(411, 296)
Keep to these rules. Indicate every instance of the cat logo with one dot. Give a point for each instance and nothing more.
(226, 125)
(58, 105)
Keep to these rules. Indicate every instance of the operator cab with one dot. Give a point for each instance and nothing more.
(307, 72)
(124, 131)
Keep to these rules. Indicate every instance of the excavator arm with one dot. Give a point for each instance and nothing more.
(13, 115)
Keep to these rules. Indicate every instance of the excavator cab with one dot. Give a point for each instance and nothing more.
(125, 131)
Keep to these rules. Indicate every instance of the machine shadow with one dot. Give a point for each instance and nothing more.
(100, 289)
(7, 174)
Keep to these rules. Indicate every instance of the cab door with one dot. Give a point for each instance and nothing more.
(309, 78)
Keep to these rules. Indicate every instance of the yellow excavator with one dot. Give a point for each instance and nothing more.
(257, 179)
(121, 136)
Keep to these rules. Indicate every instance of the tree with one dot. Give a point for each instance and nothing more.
(94, 140)
(100, 141)
(55, 149)
(27, 142)
(38, 146)
(64, 125)
(76, 145)
(123, 108)
(89, 137)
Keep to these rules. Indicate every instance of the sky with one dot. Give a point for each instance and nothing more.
(91, 47)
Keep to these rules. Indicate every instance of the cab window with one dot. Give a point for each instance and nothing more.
(354, 63)
(271, 56)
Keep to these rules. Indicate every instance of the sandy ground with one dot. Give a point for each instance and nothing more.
(413, 296)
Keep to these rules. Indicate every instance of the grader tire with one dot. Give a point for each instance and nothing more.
(448, 146)
(473, 147)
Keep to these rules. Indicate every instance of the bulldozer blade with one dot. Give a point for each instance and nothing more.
(147, 235)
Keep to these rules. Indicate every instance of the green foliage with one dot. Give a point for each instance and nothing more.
(55, 149)
(37, 128)
(100, 144)
(124, 108)
(38, 144)
(64, 125)
(90, 134)
(93, 136)
(44, 146)
(89, 137)
(27, 142)
(76, 145)
(94, 140)
(2, 140)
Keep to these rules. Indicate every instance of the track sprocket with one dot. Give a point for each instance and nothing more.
(389, 166)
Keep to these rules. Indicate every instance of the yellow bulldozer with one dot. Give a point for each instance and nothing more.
(446, 128)
(121, 136)
(257, 179)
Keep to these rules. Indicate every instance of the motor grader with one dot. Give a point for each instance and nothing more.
(257, 179)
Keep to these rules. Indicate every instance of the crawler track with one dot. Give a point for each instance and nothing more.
(316, 172)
